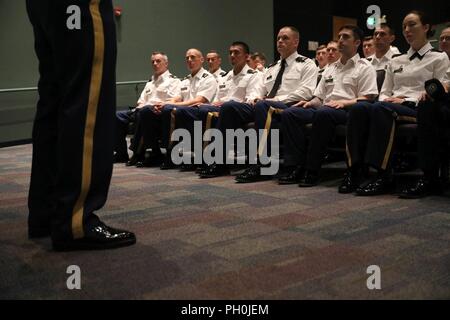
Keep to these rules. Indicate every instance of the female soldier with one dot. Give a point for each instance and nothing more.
(371, 127)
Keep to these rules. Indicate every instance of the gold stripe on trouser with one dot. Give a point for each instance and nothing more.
(173, 123)
(349, 156)
(263, 141)
(88, 142)
(208, 124)
(387, 155)
(391, 139)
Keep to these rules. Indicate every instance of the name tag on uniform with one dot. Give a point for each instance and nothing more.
(268, 78)
(400, 70)
(148, 91)
(329, 80)
(184, 89)
(223, 86)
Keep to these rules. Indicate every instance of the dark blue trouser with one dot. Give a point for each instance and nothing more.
(371, 132)
(72, 132)
(324, 121)
(123, 119)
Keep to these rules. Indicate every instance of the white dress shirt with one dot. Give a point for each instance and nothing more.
(219, 73)
(382, 63)
(357, 78)
(166, 87)
(242, 87)
(298, 82)
(406, 78)
(202, 84)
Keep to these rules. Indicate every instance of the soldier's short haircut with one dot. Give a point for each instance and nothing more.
(358, 34)
(243, 45)
(294, 30)
(165, 57)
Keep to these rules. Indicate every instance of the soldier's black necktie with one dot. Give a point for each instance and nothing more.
(278, 80)
(416, 55)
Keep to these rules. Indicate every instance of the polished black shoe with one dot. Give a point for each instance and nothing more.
(213, 171)
(350, 183)
(311, 179)
(134, 160)
(121, 158)
(379, 186)
(423, 188)
(252, 174)
(99, 237)
(294, 177)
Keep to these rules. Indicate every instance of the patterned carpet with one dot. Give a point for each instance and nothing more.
(215, 239)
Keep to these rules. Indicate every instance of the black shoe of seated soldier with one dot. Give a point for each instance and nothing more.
(379, 186)
(200, 168)
(99, 237)
(213, 171)
(422, 188)
(350, 183)
(252, 174)
(134, 160)
(294, 176)
(311, 179)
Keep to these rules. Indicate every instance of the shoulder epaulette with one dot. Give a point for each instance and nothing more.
(251, 71)
(301, 59)
(273, 64)
(436, 50)
(397, 55)
(205, 75)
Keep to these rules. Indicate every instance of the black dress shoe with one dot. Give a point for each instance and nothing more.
(311, 179)
(379, 186)
(213, 171)
(350, 183)
(423, 188)
(294, 177)
(252, 174)
(99, 237)
(134, 160)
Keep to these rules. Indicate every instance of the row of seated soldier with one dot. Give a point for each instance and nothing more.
(366, 100)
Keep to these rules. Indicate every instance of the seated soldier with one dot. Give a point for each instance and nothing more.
(371, 127)
(214, 62)
(198, 88)
(433, 122)
(162, 87)
(257, 61)
(236, 89)
(383, 37)
(343, 83)
(286, 82)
